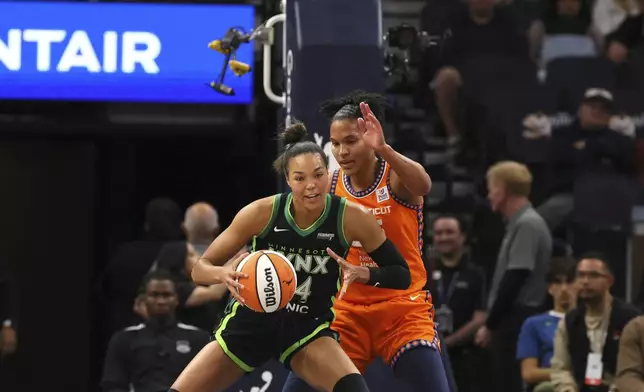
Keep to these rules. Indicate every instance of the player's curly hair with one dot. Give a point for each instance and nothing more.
(348, 106)
(294, 140)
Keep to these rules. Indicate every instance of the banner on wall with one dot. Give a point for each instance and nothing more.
(124, 52)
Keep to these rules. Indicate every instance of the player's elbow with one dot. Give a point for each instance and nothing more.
(425, 186)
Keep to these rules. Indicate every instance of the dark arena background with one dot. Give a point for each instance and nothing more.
(116, 117)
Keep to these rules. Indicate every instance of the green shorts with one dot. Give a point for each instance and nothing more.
(250, 338)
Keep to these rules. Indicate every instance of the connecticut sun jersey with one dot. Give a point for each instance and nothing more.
(402, 223)
(318, 274)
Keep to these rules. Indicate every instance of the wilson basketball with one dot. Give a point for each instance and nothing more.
(271, 281)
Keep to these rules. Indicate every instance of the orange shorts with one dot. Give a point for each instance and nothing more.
(385, 329)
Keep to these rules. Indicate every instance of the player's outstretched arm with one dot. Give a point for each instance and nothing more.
(409, 178)
(248, 222)
(392, 271)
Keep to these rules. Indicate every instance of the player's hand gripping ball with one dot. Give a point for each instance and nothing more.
(271, 281)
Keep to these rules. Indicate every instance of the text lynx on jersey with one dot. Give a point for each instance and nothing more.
(311, 261)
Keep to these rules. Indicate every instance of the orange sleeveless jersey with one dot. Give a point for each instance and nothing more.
(403, 225)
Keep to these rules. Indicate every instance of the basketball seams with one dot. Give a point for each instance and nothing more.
(259, 298)
(278, 283)
(264, 261)
(286, 260)
(254, 265)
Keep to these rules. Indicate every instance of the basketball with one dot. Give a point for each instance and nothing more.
(271, 281)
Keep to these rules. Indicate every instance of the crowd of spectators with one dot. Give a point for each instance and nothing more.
(546, 96)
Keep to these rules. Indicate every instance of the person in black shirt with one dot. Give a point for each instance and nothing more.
(460, 296)
(149, 356)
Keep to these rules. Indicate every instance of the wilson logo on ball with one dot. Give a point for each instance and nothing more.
(269, 286)
(269, 290)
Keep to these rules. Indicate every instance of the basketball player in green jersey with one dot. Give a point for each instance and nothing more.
(309, 227)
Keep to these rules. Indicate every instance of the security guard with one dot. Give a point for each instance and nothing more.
(148, 357)
(460, 299)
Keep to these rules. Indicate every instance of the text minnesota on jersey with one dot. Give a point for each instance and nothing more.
(305, 261)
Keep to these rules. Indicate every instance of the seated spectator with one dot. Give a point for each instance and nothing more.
(132, 260)
(628, 35)
(564, 30)
(198, 305)
(201, 226)
(630, 359)
(480, 28)
(588, 144)
(536, 340)
(586, 340)
(148, 357)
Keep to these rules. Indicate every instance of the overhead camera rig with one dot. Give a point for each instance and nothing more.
(230, 43)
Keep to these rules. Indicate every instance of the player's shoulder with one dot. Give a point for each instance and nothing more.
(260, 207)
(355, 212)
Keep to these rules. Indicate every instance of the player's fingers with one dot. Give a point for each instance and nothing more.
(365, 109)
(235, 293)
(238, 259)
(343, 290)
(238, 275)
(234, 283)
(362, 126)
(345, 265)
(333, 254)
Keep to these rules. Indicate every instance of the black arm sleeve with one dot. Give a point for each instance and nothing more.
(393, 271)
(509, 289)
(115, 372)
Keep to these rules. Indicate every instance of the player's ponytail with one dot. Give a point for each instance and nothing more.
(293, 138)
(348, 107)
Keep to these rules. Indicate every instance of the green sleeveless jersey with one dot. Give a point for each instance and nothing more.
(318, 274)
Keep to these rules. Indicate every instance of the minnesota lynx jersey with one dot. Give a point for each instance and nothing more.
(318, 274)
(402, 223)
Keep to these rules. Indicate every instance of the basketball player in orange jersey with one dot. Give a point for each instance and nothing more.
(396, 325)
(304, 225)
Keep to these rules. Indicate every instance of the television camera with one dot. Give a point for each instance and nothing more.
(406, 49)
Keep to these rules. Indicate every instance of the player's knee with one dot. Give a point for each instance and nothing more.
(351, 383)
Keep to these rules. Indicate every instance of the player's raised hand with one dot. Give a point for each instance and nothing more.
(370, 127)
(228, 275)
(350, 273)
